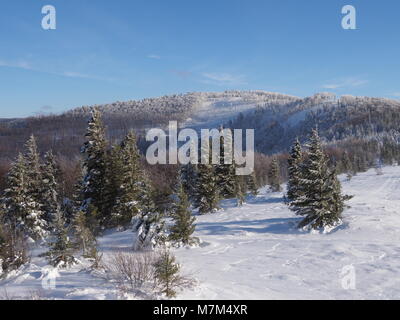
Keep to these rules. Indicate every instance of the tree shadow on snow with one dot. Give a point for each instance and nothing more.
(260, 199)
(273, 225)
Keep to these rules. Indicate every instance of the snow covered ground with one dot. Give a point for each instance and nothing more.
(255, 252)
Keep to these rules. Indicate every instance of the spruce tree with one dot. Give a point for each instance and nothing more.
(128, 173)
(167, 273)
(225, 172)
(61, 248)
(14, 197)
(83, 237)
(182, 230)
(188, 174)
(274, 176)
(294, 172)
(207, 194)
(21, 211)
(33, 170)
(95, 164)
(338, 199)
(321, 201)
(49, 197)
(148, 225)
(251, 183)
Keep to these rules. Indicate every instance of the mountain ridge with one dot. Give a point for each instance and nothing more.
(277, 118)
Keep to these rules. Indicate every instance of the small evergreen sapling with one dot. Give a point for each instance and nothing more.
(182, 230)
(83, 237)
(167, 273)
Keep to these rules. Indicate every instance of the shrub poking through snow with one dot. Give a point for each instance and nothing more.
(133, 271)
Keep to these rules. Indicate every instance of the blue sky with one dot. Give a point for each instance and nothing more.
(104, 51)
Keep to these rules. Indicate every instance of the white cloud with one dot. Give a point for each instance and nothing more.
(21, 64)
(154, 56)
(222, 79)
(343, 83)
(76, 75)
(70, 74)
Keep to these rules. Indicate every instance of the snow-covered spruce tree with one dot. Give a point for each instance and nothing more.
(225, 172)
(294, 172)
(79, 203)
(251, 183)
(321, 201)
(128, 172)
(114, 178)
(338, 199)
(49, 197)
(167, 273)
(33, 170)
(21, 211)
(188, 174)
(148, 225)
(61, 248)
(207, 193)
(14, 197)
(95, 164)
(274, 176)
(183, 228)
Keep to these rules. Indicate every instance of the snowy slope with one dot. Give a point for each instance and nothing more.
(255, 252)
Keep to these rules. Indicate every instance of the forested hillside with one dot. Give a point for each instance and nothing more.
(366, 128)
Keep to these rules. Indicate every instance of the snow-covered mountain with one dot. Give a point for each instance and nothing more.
(191, 109)
(255, 252)
(276, 118)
